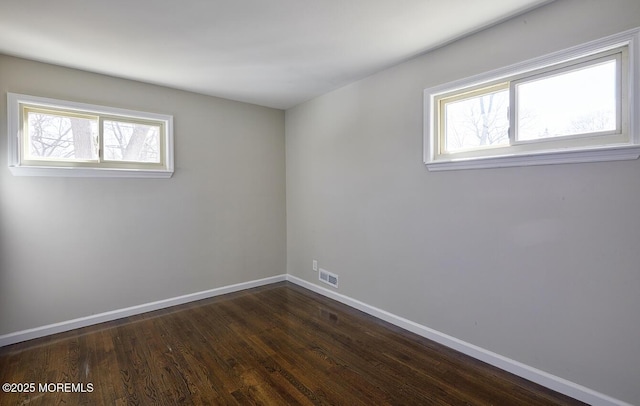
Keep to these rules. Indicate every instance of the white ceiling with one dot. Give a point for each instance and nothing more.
(274, 53)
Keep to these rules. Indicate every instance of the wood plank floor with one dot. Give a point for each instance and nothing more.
(278, 344)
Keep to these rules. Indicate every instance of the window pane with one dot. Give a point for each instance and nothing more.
(60, 137)
(578, 102)
(477, 121)
(131, 142)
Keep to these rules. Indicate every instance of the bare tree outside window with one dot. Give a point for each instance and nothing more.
(84, 138)
(131, 142)
(62, 137)
(76, 138)
(595, 121)
(477, 121)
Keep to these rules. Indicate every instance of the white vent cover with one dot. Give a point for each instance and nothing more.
(328, 277)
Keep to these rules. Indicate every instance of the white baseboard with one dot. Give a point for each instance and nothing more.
(42, 331)
(545, 379)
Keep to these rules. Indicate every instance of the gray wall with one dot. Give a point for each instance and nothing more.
(72, 247)
(539, 264)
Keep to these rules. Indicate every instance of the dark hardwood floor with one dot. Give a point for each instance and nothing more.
(278, 344)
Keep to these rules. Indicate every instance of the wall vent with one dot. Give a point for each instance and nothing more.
(328, 278)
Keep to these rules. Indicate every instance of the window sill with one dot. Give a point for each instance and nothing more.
(540, 158)
(88, 172)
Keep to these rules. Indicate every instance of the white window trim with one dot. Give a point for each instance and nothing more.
(626, 151)
(17, 168)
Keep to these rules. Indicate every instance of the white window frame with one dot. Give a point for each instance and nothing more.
(19, 166)
(623, 145)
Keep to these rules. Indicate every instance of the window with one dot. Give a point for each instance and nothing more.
(50, 137)
(571, 106)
